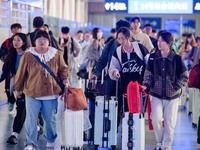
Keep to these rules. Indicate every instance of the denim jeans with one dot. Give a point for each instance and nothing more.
(48, 109)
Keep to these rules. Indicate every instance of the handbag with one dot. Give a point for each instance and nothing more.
(74, 97)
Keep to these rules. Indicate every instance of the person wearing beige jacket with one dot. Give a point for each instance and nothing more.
(40, 88)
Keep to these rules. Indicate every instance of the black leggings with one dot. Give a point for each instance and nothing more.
(21, 114)
(11, 97)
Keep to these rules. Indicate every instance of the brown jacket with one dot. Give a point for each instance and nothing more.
(32, 79)
(165, 76)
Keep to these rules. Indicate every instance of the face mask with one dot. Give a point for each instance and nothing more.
(99, 35)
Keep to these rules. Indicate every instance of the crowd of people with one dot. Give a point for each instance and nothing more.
(129, 54)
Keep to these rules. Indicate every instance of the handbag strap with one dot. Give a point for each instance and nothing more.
(50, 72)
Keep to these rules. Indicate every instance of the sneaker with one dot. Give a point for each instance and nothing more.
(40, 132)
(158, 148)
(11, 106)
(50, 145)
(29, 147)
(12, 140)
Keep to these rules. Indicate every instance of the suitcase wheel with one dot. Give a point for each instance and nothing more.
(190, 114)
(113, 147)
(194, 125)
(62, 147)
(96, 147)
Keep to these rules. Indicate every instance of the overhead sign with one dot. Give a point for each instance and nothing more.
(160, 7)
(116, 6)
(196, 6)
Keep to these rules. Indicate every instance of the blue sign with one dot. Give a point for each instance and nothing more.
(196, 6)
(116, 6)
(160, 6)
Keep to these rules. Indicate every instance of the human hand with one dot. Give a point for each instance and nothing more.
(116, 74)
(17, 94)
(94, 77)
(66, 82)
(143, 87)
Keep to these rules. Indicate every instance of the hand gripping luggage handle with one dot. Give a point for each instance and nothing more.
(144, 95)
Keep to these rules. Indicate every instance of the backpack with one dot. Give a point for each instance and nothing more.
(7, 44)
(72, 43)
(194, 77)
(7, 49)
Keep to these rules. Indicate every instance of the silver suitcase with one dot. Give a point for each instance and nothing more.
(105, 127)
(72, 129)
(137, 126)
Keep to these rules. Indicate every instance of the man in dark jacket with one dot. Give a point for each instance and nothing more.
(148, 30)
(16, 27)
(38, 24)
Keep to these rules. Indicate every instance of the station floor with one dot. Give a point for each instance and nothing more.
(184, 137)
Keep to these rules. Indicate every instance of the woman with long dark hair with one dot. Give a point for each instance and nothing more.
(10, 67)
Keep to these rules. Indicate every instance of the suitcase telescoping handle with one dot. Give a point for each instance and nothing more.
(106, 117)
(116, 92)
(143, 102)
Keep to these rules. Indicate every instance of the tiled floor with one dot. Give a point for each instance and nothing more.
(184, 139)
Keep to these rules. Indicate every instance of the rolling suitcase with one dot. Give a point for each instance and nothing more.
(89, 134)
(195, 94)
(184, 94)
(105, 127)
(133, 132)
(133, 127)
(72, 129)
(92, 89)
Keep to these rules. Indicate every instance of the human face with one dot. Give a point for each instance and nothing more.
(99, 34)
(162, 45)
(65, 35)
(42, 42)
(122, 39)
(87, 37)
(80, 36)
(17, 42)
(135, 25)
(46, 29)
(15, 30)
(148, 30)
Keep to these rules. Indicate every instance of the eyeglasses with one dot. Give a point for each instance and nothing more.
(136, 22)
(42, 39)
(121, 39)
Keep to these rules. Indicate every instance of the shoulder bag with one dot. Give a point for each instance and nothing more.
(74, 97)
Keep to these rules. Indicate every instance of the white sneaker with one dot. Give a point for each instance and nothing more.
(29, 147)
(158, 146)
(50, 145)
